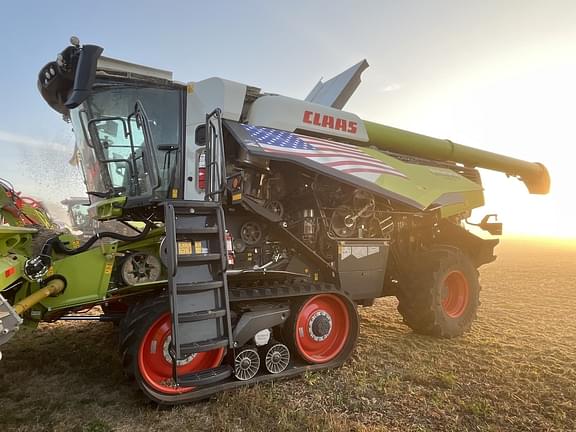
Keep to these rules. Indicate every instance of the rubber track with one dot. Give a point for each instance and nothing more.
(246, 292)
(277, 290)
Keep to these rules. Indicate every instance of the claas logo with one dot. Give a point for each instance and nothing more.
(330, 122)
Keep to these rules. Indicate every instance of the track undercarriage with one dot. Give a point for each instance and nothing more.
(267, 356)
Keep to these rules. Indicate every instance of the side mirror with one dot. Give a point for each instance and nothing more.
(494, 228)
(85, 75)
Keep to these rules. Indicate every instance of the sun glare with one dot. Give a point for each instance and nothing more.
(524, 111)
(532, 121)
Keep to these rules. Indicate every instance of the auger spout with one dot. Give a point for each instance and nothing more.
(533, 174)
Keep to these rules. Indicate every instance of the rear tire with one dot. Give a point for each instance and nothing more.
(441, 295)
(145, 334)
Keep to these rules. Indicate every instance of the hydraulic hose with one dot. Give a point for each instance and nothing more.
(60, 247)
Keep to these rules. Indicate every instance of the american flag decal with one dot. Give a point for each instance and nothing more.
(344, 158)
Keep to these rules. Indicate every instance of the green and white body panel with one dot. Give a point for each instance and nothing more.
(420, 187)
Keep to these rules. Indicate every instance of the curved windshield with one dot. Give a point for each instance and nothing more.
(115, 156)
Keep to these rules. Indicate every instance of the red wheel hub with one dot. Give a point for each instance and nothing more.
(155, 364)
(456, 294)
(322, 328)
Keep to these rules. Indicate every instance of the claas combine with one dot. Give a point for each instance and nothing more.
(255, 226)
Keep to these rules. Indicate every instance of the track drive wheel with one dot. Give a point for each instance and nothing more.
(145, 336)
(441, 294)
(323, 328)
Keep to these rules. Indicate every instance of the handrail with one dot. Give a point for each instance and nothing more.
(172, 250)
(215, 175)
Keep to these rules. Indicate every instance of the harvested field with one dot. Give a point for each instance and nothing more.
(516, 370)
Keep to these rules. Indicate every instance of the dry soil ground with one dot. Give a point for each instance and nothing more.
(516, 370)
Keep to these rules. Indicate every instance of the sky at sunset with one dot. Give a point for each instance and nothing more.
(497, 75)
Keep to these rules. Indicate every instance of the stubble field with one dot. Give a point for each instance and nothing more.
(516, 370)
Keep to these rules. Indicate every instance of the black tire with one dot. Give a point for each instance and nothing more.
(134, 324)
(441, 295)
(116, 310)
(144, 333)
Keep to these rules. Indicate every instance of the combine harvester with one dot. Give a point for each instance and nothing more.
(266, 222)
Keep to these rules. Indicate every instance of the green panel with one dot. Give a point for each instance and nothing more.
(429, 186)
(111, 208)
(15, 239)
(87, 275)
(11, 269)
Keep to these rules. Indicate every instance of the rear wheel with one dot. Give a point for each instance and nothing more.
(441, 295)
(145, 336)
(323, 328)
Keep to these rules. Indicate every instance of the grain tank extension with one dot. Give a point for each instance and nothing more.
(253, 226)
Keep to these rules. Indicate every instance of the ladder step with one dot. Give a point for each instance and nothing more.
(205, 230)
(185, 206)
(192, 287)
(207, 345)
(187, 317)
(197, 257)
(206, 376)
(200, 257)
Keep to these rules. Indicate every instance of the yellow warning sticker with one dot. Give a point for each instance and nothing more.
(108, 268)
(184, 248)
(237, 197)
(198, 247)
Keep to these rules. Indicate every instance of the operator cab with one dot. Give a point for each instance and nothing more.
(128, 121)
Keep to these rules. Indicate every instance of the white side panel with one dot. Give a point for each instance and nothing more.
(203, 98)
(115, 65)
(280, 112)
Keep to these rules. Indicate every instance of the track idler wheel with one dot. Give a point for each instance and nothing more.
(277, 358)
(323, 328)
(246, 364)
